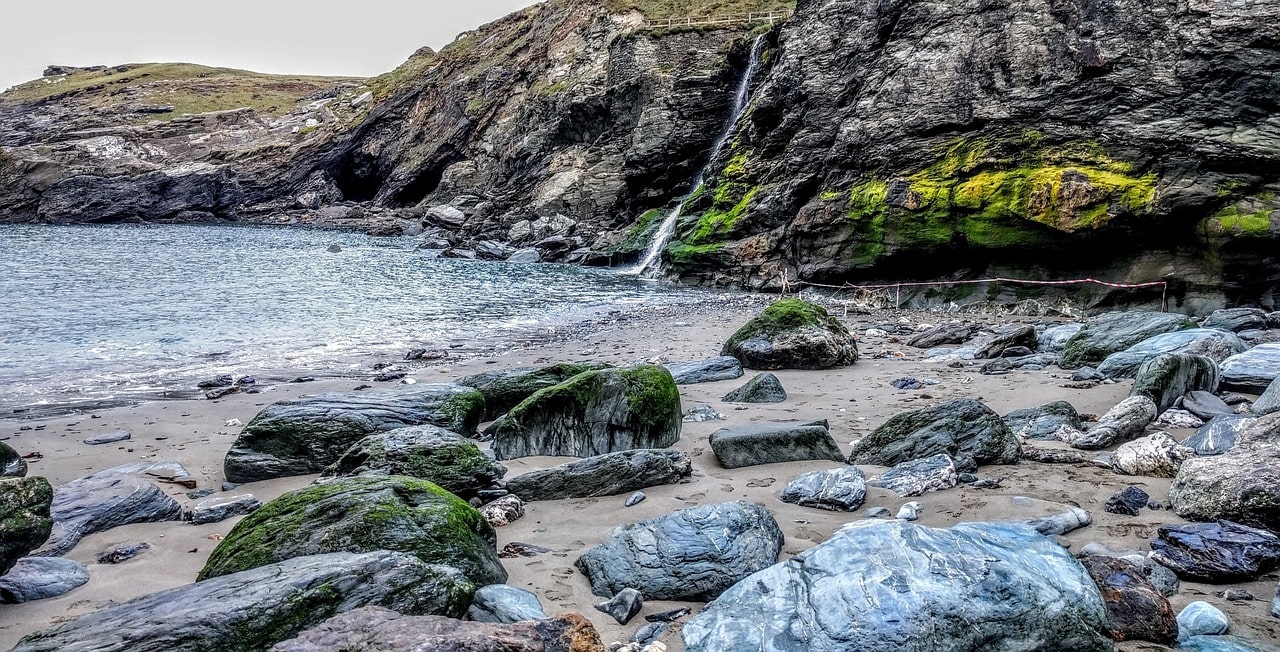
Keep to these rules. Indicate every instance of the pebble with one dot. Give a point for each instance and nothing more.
(120, 554)
(879, 512)
(909, 511)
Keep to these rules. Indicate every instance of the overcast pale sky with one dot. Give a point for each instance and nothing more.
(360, 37)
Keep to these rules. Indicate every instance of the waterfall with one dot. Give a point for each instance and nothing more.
(740, 98)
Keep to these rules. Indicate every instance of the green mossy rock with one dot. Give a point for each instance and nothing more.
(25, 522)
(424, 452)
(1166, 378)
(965, 429)
(793, 334)
(11, 463)
(363, 514)
(305, 435)
(594, 413)
(1114, 332)
(506, 389)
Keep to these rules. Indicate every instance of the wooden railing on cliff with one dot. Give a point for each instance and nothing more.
(727, 20)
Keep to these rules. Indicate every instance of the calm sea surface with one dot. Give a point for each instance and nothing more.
(96, 313)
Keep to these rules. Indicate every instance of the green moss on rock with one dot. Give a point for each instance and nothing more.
(25, 521)
(423, 452)
(792, 334)
(504, 390)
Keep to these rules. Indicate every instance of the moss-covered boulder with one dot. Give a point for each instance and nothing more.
(307, 434)
(1167, 378)
(11, 463)
(594, 413)
(506, 388)
(1116, 331)
(25, 521)
(424, 452)
(359, 515)
(963, 428)
(793, 334)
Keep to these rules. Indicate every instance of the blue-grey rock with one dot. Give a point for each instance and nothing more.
(109, 438)
(837, 490)
(909, 511)
(649, 633)
(1162, 578)
(1269, 401)
(634, 499)
(499, 603)
(702, 414)
(919, 477)
(965, 429)
(1006, 337)
(221, 508)
(881, 586)
(1052, 339)
(1237, 319)
(763, 388)
(257, 608)
(624, 606)
(1205, 405)
(753, 444)
(37, 578)
(1226, 644)
(374, 629)
(122, 553)
(1116, 331)
(1124, 422)
(1252, 371)
(1211, 343)
(725, 367)
(525, 256)
(693, 554)
(1216, 553)
(603, 475)
(1043, 422)
(1201, 619)
(1070, 520)
(105, 500)
(1275, 604)
(1169, 376)
(952, 333)
(1127, 502)
(1218, 435)
(879, 512)
(1241, 485)
(1037, 362)
(1087, 375)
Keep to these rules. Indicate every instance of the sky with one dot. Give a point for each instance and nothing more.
(358, 38)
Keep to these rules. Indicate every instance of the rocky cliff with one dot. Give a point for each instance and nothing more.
(885, 140)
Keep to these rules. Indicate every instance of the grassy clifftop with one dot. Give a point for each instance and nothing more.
(663, 9)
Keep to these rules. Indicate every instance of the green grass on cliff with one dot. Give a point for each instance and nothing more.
(188, 88)
(663, 9)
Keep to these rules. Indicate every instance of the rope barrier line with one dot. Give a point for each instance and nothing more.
(787, 284)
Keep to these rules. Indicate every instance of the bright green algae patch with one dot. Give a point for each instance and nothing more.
(1248, 218)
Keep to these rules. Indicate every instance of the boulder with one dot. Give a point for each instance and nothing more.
(525, 256)
(1122, 423)
(424, 452)
(11, 463)
(38, 578)
(1178, 418)
(1043, 422)
(1237, 319)
(1269, 401)
(763, 388)
(1007, 337)
(881, 586)
(1214, 344)
(965, 429)
(1252, 371)
(305, 435)
(499, 603)
(221, 508)
(25, 518)
(1156, 456)
(793, 334)
(693, 554)
(1225, 643)
(594, 413)
(253, 609)
(1241, 485)
(836, 490)
(503, 511)
(1116, 331)
(772, 442)
(725, 367)
(1054, 338)
(624, 606)
(446, 216)
(953, 333)
(359, 515)
(1138, 611)
(604, 475)
(508, 388)
(1037, 362)
(1216, 553)
(1205, 405)
(919, 477)
(1219, 435)
(1166, 378)
(382, 630)
(1201, 619)
(104, 500)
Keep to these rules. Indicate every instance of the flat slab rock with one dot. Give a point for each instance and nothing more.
(38, 578)
(1216, 552)
(1253, 370)
(694, 554)
(1215, 344)
(221, 508)
(604, 475)
(885, 586)
(753, 444)
(108, 499)
(919, 477)
(257, 608)
(499, 603)
(1116, 331)
(725, 367)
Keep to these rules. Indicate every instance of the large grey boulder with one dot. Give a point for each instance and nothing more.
(594, 413)
(1157, 455)
(693, 554)
(952, 333)
(889, 586)
(424, 452)
(772, 442)
(603, 475)
(763, 388)
(38, 578)
(1215, 344)
(252, 610)
(1053, 339)
(1241, 485)
(1124, 422)
(499, 603)
(1237, 319)
(362, 514)
(305, 435)
(25, 518)
(793, 334)
(919, 477)
(1216, 553)
(1007, 337)
(1166, 378)
(1269, 401)
(11, 463)
(1205, 405)
(1116, 331)
(507, 388)
(105, 500)
(1045, 421)
(372, 629)
(837, 490)
(725, 367)
(965, 429)
(1252, 371)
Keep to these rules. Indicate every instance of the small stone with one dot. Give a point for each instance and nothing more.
(1236, 595)
(635, 499)
(520, 549)
(1128, 502)
(1086, 375)
(1201, 618)
(499, 603)
(503, 511)
(225, 380)
(121, 554)
(199, 493)
(624, 606)
(215, 394)
(221, 508)
(1162, 578)
(906, 384)
(649, 633)
(109, 438)
(909, 511)
(702, 414)
(763, 388)
(390, 376)
(879, 512)
(229, 486)
(668, 616)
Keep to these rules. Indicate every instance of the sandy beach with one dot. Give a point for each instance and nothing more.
(855, 400)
